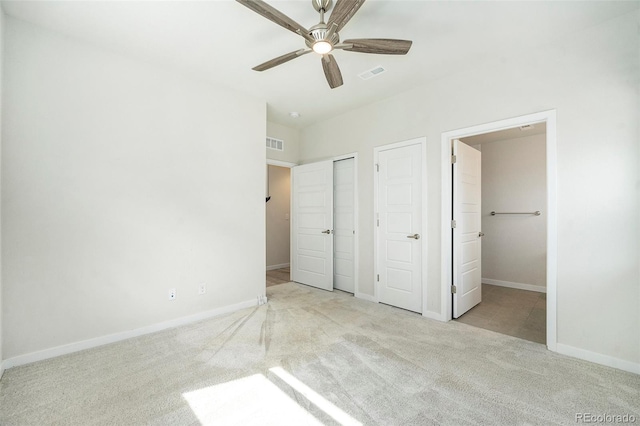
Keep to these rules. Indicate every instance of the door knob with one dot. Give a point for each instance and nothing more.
(414, 236)
(480, 234)
(328, 231)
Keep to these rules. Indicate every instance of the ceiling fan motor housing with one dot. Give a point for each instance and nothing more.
(319, 33)
(319, 5)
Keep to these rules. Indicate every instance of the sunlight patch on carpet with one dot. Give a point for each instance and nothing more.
(318, 400)
(252, 400)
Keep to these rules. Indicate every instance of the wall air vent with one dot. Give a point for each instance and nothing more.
(275, 144)
(373, 72)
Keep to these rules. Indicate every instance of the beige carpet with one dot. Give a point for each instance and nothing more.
(278, 276)
(314, 357)
(518, 313)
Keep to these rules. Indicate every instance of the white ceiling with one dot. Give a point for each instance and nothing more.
(222, 40)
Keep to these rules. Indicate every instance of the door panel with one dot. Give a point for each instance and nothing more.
(312, 216)
(467, 248)
(399, 212)
(344, 225)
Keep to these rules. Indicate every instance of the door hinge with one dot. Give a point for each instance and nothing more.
(453, 289)
(453, 159)
(453, 223)
(378, 277)
(377, 167)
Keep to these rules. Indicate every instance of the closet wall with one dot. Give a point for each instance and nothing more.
(514, 180)
(278, 208)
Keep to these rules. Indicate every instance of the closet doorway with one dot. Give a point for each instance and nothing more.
(510, 239)
(278, 222)
(501, 205)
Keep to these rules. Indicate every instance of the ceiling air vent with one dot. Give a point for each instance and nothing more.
(372, 73)
(276, 144)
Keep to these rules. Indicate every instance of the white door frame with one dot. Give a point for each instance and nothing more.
(552, 211)
(422, 141)
(279, 163)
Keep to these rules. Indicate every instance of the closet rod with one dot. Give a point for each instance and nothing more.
(537, 213)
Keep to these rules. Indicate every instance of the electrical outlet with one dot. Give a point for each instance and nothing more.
(172, 294)
(202, 288)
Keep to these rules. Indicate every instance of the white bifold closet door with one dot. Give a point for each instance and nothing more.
(344, 225)
(312, 225)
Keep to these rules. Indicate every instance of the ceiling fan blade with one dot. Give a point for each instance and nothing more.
(281, 59)
(331, 71)
(381, 46)
(274, 15)
(343, 11)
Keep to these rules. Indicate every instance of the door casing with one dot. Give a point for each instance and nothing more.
(549, 117)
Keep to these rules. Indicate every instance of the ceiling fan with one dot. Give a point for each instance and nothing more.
(324, 38)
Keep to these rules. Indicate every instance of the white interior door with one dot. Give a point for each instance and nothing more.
(344, 225)
(399, 245)
(467, 254)
(312, 225)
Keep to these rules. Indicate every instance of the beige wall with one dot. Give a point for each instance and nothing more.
(514, 180)
(291, 138)
(591, 79)
(278, 211)
(114, 190)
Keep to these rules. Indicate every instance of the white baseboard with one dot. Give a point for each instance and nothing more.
(520, 286)
(366, 297)
(609, 361)
(2, 368)
(116, 337)
(433, 316)
(280, 266)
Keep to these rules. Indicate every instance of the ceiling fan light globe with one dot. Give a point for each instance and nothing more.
(322, 47)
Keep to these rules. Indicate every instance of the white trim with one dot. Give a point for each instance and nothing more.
(280, 266)
(422, 141)
(425, 233)
(2, 368)
(519, 286)
(116, 337)
(367, 297)
(552, 231)
(431, 315)
(345, 156)
(609, 361)
(280, 163)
